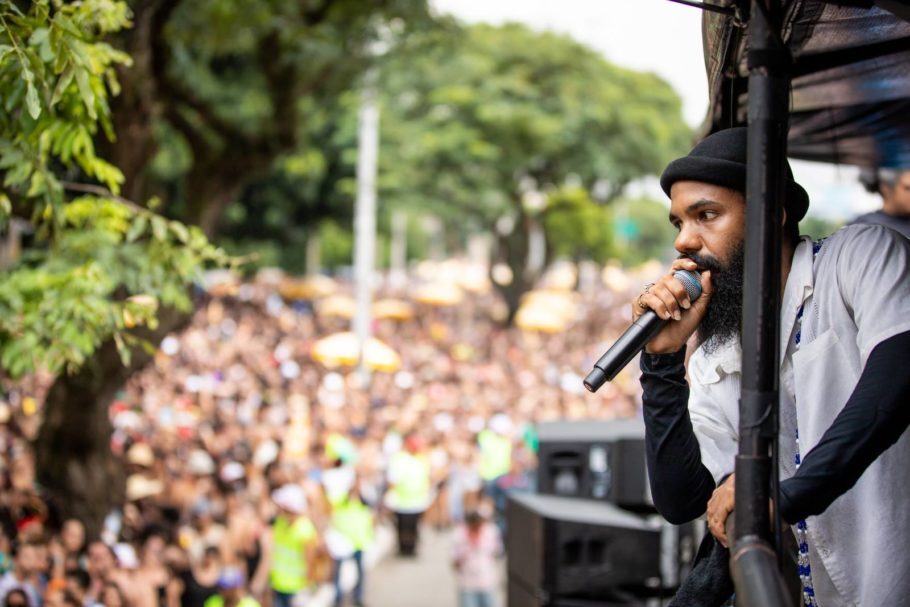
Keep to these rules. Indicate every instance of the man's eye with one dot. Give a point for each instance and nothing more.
(708, 215)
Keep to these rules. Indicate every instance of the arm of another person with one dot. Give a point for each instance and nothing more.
(260, 578)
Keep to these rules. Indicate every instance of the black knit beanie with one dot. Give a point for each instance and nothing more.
(720, 159)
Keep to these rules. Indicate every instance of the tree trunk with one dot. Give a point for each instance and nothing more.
(512, 249)
(73, 456)
(136, 108)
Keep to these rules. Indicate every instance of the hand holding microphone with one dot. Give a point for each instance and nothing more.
(663, 320)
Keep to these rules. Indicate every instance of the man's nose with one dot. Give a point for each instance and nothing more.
(687, 241)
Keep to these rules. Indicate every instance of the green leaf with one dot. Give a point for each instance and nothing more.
(32, 101)
(85, 90)
(159, 228)
(180, 231)
(122, 349)
(38, 36)
(137, 228)
(64, 81)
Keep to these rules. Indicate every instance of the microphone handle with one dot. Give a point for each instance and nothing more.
(626, 347)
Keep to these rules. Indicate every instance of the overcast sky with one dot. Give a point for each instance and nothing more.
(662, 37)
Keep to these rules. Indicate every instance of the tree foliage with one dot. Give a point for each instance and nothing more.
(98, 265)
(504, 121)
(228, 94)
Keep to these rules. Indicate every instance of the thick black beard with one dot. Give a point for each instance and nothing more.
(724, 316)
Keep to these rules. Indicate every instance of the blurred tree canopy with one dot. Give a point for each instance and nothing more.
(228, 95)
(526, 134)
(818, 227)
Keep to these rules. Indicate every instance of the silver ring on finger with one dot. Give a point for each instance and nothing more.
(642, 294)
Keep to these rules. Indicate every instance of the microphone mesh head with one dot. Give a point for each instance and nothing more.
(690, 281)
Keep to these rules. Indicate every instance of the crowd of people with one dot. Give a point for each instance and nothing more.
(253, 472)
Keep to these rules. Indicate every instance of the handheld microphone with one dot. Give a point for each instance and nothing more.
(634, 339)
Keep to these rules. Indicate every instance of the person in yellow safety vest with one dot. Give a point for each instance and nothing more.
(410, 494)
(292, 546)
(350, 534)
(495, 449)
(231, 590)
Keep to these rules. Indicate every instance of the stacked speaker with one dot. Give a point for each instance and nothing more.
(591, 536)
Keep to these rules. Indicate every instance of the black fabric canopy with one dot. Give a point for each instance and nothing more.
(850, 99)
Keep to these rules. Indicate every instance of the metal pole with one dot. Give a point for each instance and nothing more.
(769, 87)
(365, 214)
(758, 580)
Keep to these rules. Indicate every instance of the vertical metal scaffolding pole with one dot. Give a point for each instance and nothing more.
(754, 563)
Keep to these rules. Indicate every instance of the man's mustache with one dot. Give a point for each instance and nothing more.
(704, 262)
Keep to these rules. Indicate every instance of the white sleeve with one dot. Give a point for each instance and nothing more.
(873, 275)
(717, 435)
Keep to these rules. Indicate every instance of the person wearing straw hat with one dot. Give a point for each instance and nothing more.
(844, 386)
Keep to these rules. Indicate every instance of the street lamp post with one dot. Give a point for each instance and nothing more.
(365, 215)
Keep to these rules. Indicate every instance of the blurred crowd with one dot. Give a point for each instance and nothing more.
(253, 471)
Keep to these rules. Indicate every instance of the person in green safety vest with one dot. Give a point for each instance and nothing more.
(495, 449)
(232, 592)
(410, 492)
(291, 547)
(350, 534)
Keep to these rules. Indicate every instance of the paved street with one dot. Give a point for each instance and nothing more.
(426, 581)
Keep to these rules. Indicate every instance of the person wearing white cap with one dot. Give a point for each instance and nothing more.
(290, 548)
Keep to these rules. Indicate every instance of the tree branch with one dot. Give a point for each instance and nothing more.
(175, 94)
(102, 191)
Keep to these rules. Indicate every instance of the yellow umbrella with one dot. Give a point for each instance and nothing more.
(474, 278)
(311, 287)
(439, 294)
(393, 309)
(342, 306)
(540, 318)
(343, 349)
(560, 302)
(561, 276)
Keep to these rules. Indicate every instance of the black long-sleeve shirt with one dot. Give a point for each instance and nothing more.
(874, 418)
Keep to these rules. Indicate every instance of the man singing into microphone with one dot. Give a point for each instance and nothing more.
(844, 381)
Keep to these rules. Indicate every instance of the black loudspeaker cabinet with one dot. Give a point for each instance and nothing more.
(579, 550)
(520, 596)
(596, 459)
